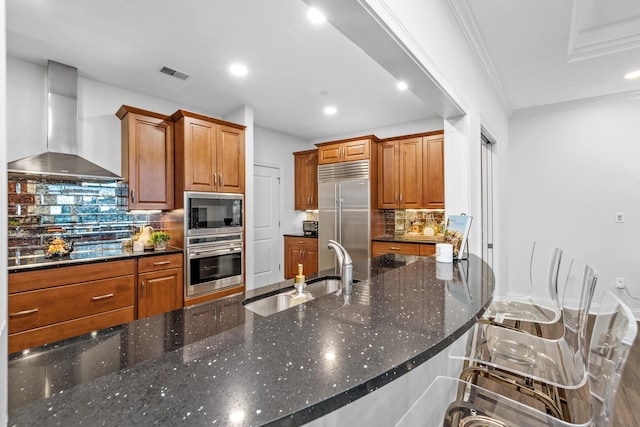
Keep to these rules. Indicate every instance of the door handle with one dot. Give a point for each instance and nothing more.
(101, 297)
(22, 313)
(215, 179)
(133, 196)
(400, 197)
(220, 180)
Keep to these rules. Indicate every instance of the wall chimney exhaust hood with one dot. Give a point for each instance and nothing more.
(61, 160)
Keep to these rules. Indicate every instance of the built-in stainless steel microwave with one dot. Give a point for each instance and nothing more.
(212, 213)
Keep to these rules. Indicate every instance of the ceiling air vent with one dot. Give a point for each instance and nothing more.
(177, 74)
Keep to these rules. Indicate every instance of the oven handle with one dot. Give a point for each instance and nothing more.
(194, 253)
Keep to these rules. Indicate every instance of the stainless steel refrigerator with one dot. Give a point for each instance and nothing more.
(344, 203)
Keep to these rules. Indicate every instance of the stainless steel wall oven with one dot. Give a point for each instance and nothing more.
(214, 246)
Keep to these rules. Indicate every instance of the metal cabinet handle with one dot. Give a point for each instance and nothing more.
(220, 180)
(395, 198)
(400, 197)
(22, 313)
(133, 196)
(162, 263)
(215, 179)
(142, 288)
(394, 248)
(100, 297)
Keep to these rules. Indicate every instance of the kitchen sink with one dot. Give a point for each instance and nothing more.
(271, 304)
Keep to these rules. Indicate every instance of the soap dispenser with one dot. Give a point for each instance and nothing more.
(300, 286)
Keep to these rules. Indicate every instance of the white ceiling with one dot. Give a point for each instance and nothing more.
(295, 68)
(540, 52)
(535, 52)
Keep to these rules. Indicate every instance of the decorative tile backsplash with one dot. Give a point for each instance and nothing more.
(398, 222)
(88, 212)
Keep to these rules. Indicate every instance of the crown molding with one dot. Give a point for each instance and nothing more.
(469, 27)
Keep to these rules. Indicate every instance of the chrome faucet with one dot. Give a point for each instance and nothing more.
(345, 266)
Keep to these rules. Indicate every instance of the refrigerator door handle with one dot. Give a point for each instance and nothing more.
(339, 212)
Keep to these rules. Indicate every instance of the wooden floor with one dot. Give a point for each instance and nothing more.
(628, 400)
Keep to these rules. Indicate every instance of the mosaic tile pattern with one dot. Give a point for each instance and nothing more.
(86, 211)
(397, 222)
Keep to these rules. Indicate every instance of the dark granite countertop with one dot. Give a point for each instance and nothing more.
(299, 235)
(82, 254)
(419, 239)
(216, 362)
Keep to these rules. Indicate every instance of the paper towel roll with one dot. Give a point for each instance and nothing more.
(444, 252)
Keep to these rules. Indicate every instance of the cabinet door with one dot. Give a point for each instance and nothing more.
(355, 150)
(310, 260)
(388, 175)
(199, 155)
(312, 178)
(410, 173)
(149, 157)
(159, 292)
(306, 180)
(230, 159)
(433, 172)
(293, 257)
(331, 153)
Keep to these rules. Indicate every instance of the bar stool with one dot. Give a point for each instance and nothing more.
(539, 367)
(536, 309)
(452, 402)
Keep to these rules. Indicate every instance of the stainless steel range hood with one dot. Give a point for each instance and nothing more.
(61, 160)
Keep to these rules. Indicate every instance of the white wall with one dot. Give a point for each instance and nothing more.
(98, 127)
(276, 149)
(571, 167)
(430, 31)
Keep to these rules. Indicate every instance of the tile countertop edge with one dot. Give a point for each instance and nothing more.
(57, 263)
(391, 339)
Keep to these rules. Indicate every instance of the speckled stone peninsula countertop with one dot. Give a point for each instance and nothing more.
(217, 363)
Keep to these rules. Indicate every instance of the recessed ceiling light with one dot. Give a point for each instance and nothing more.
(402, 86)
(330, 110)
(238, 70)
(633, 75)
(316, 16)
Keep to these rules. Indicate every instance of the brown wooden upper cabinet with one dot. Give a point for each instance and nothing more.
(306, 180)
(147, 158)
(433, 171)
(344, 151)
(411, 172)
(209, 154)
(400, 174)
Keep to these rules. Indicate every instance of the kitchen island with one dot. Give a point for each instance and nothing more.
(218, 363)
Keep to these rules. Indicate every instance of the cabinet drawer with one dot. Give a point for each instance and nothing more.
(33, 309)
(396, 248)
(46, 334)
(50, 277)
(159, 262)
(305, 242)
(427, 250)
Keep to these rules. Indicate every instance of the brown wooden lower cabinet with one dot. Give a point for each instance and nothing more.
(160, 284)
(300, 250)
(382, 248)
(58, 303)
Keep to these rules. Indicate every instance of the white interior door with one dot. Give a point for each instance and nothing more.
(266, 219)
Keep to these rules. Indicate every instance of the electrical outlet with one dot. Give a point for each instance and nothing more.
(619, 282)
(619, 216)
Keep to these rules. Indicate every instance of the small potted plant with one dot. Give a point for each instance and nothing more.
(159, 240)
